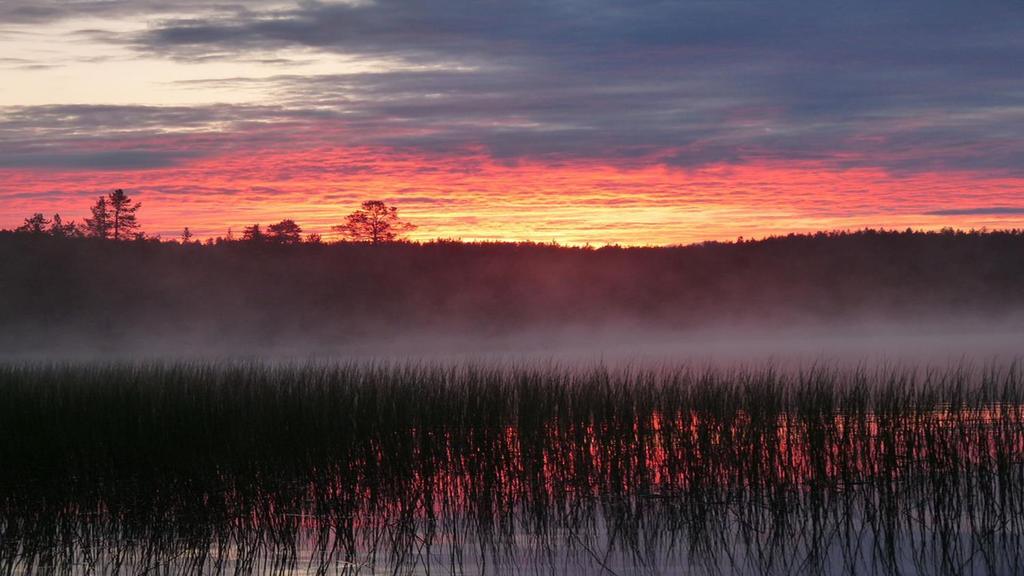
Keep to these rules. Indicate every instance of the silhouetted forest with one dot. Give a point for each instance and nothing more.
(100, 294)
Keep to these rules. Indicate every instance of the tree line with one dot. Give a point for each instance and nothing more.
(93, 296)
(114, 217)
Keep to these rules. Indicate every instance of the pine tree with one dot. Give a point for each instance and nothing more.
(36, 224)
(186, 236)
(122, 215)
(99, 225)
(59, 229)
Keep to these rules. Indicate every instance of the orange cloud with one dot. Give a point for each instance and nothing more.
(474, 197)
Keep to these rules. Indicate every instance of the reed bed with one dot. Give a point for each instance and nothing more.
(324, 468)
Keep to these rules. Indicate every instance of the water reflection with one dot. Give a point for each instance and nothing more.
(545, 473)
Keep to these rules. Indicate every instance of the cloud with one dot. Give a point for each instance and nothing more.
(43, 11)
(981, 211)
(84, 137)
(100, 160)
(18, 123)
(907, 87)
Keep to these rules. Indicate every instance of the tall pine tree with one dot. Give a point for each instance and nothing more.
(113, 216)
(99, 225)
(122, 215)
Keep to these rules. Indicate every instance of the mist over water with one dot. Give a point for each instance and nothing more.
(933, 342)
(765, 408)
(847, 298)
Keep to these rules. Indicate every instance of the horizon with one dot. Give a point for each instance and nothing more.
(632, 124)
(338, 238)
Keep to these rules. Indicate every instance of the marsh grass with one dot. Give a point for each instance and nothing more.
(361, 468)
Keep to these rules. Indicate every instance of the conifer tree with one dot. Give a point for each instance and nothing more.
(35, 224)
(60, 229)
(123, 222)
(99, 225)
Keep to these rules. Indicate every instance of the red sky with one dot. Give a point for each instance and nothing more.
(632, 123)
(477, 198)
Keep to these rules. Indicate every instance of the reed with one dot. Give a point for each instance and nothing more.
(238, 467)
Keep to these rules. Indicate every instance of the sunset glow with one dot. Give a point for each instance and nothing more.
(622, 131)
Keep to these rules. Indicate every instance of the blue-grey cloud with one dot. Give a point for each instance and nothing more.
(34, 124)
(912, 85)
(99, 160)
(908, 86)
(43, 11)
(104, 137)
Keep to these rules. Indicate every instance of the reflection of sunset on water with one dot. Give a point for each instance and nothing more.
(436, 470)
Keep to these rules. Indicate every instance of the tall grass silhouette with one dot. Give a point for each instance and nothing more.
(204, 468)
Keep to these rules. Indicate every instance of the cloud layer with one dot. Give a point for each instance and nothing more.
(910, 84)
(915, 90)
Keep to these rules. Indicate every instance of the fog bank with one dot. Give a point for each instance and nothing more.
(868, 296)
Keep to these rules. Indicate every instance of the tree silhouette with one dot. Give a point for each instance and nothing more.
(253, 234)
(99, 225)
(59, 229)
(374, 222)
(122, 215)
(35, 224)
(113, 216)
(38, 224)
(284, 232)
(186, 236)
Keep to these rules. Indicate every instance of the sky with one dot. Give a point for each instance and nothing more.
(598, 121)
